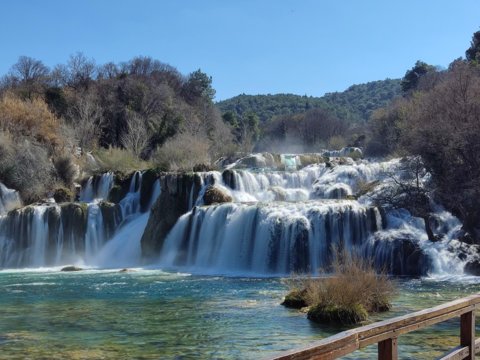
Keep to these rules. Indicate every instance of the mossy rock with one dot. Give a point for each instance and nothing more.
(309, 159)
(63, 194)
(215, 195)
(71, 268)
(112, 215)
(337, 314)
(295, 299)
(120, 187)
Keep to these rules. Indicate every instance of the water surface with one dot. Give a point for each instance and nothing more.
(150, 314)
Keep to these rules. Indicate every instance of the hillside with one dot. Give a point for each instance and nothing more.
(354, 104)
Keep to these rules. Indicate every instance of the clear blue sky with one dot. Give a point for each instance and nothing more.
(247, 46)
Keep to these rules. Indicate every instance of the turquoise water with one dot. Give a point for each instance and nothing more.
(150, 314)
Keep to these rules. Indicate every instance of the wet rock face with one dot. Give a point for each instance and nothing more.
(472, 268)
(215, 195)
(179, 192)
(120, 188)
(402, 257)
(148, 180)
(228, 177)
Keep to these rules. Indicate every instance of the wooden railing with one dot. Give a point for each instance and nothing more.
(385, 334)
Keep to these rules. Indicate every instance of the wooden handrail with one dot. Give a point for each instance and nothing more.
(386, 332)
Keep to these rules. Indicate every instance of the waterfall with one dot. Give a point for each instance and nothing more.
(267, 238)
(286, 221)
(9, 199)
(97, 187)
(280, 221)
(58, 234)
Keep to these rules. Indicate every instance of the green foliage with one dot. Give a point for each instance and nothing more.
(473, 52)
(198, 86)
(354, 104)
(412, 76)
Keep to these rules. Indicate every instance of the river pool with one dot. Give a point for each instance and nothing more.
(151, 314)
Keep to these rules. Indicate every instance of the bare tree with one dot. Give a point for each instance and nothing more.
(136, 138)
(29, 70)
(29, 76)
(87, 119)
(81, 71)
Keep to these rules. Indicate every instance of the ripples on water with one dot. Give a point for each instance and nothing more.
(150, 314)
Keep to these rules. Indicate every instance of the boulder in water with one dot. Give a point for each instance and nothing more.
(337, 314)
(295, 299)
(472, 268)
(215, 195)
(71, 268)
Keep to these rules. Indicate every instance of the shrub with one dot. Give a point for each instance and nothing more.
(116, 160)
(63, 194)
(353, 290)
(182, 152)
(65, 168)
(30, 118)
(25, 166)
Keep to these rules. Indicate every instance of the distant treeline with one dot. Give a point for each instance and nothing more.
(353, 105)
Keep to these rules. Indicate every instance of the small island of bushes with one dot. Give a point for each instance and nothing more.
(352, 290)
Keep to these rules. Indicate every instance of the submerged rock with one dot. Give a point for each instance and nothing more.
(215, 195)
(71, 268)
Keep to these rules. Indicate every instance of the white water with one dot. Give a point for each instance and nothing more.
(9, 199)
(280, 221)
(262, 235)
(65, 243)
(273, 238)
(98, 190)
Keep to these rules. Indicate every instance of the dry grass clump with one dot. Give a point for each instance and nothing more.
(351, 291)
(115, 159)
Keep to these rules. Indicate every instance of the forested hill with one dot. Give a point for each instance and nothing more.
(354, 104)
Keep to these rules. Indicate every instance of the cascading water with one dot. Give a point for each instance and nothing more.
(97, 187)
(273, 238)
(58, 234)
(9, 199)
(284, 221)
(279, 221)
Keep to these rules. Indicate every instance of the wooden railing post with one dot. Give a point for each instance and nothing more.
(388, 349)
(467, 333)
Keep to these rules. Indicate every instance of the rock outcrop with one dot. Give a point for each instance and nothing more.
(179, 192)
(215, 195)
